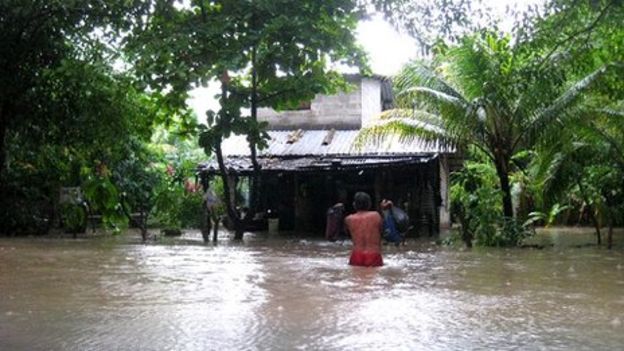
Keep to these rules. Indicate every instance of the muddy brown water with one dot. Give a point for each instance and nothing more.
(291, 293)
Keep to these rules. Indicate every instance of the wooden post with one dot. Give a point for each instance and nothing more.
(444, 210)
(379, 177)
(297, 203)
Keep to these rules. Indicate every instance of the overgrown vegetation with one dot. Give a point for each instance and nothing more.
(263, 53)
(93, 97)
(476, 204)
(537, 113)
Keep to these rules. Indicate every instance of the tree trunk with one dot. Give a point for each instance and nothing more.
(141, 223)
(229, 201)
(610, 232)
(3, 129)
(592, 215)
(255, 178)
(466, 234)
(143, 216)
(227, 185)
(503, 175)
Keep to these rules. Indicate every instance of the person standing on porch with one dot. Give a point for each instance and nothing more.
(365, 227)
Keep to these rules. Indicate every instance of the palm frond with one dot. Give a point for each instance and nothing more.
(475, 63)
(406, 113)
(436, 95)
(554, 169)
(572, 94)
(556, 110)
(406, 131)
(616, 142)
(418, 73)
(611, 112)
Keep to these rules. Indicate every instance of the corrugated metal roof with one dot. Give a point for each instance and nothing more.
(311, 163)
(342, 144)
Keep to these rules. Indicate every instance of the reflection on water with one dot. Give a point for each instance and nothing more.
(296, 294)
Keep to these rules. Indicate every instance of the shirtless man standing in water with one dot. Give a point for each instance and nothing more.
(365, 228)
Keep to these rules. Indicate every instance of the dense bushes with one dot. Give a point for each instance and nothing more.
(476, 206)
(149, 183)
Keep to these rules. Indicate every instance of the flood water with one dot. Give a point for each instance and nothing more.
(114, 293)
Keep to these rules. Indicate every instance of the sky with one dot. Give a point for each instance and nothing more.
(388, 50)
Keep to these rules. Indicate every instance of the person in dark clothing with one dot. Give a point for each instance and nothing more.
(334, 229)
(391, 230)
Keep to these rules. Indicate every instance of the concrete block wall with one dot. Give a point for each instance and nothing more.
(345, 110)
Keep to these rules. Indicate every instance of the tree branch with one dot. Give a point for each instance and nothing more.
(271, 96)
(587, 30)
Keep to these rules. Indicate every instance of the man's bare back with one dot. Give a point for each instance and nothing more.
(365, 229)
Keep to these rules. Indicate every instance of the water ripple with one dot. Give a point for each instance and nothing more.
(294, 294)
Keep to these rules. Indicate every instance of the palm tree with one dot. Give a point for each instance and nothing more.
(604, 133)
(486, 93)
(583, 167)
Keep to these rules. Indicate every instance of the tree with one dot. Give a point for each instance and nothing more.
(476, 204)
(137, 181)
(603, 137)
(265, 53)
(67, 117)
(432, 21)
(490, 94)
(580, 162)
(39, 38)
(95, 117)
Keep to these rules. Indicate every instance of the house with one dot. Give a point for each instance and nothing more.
(313, 161)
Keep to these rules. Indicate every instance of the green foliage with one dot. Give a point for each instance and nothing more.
(604, 189)
(433, 21)
(549, 217)
(177, 198)
(582, 166)
(490, 94)
(270, 40)
(516, 94)
(168, 205)
(191, 210)
(26, 207)
(269, 57)
(99, 117)
(103, 197)
(265, 53)
(74, 218)
(136, 177)
(45, 48)
(177, 202)
(476, 200)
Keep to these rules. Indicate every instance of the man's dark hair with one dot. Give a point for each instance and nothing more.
(361, 201)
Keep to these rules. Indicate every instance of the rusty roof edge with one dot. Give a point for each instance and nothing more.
(347, 156)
